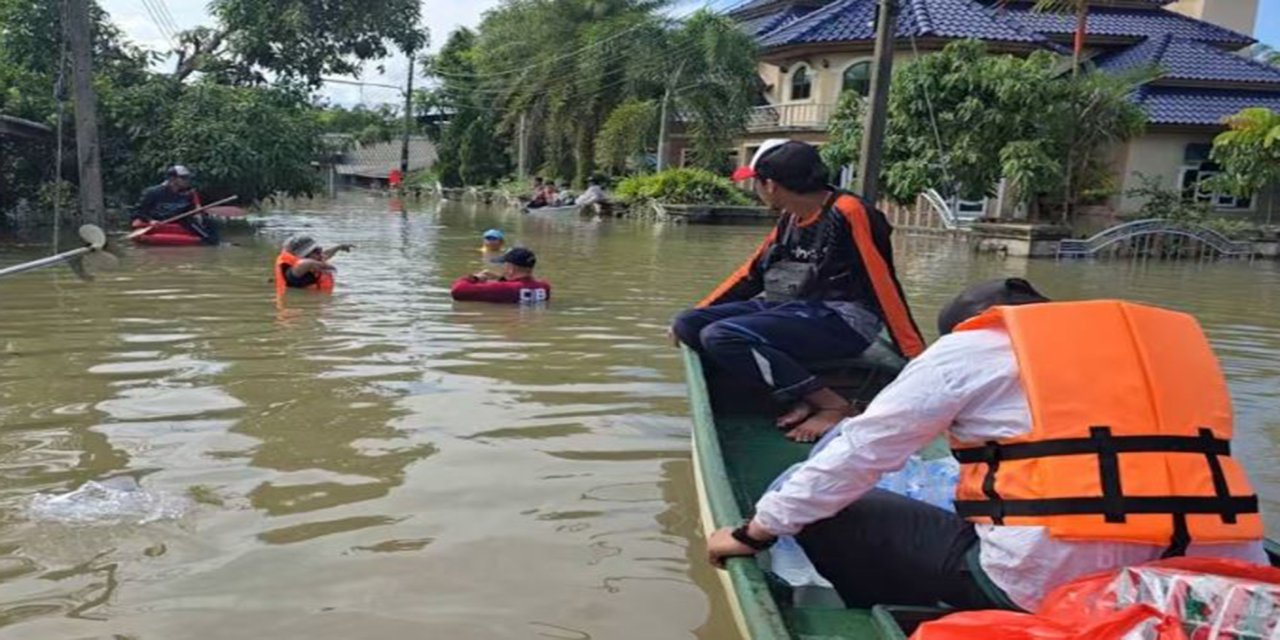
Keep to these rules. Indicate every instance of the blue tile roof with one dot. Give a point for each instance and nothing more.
(1190, 106)
(1181, 59)
(1130, 23)
(759, 26)
(846, 20)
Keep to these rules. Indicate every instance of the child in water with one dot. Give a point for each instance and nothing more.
(494, 247)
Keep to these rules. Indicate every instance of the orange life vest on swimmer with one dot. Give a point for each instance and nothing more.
(324, 281)
(1131, 431)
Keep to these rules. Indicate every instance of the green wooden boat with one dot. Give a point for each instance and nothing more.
(737, 453)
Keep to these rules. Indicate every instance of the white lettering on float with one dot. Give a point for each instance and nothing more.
(532, 296)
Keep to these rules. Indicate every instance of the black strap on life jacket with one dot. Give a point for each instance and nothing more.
(1113, 505)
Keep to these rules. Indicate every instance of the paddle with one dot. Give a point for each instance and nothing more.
(95, 241)
(145, 230)
(227, 212)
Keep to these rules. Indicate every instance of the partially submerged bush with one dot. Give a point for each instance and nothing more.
(682, 186)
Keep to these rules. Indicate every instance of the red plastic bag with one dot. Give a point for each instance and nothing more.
(1177, 599)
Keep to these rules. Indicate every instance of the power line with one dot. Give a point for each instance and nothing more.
(159, 24)
(167, 16)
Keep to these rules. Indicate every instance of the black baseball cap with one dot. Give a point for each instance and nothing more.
(785, 161)
(521, 257)
(982, 296)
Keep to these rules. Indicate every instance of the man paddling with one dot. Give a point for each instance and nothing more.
(820, 287)
(1091, 436)
(174, 196)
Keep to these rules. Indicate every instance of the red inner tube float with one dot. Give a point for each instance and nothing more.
(167, 235)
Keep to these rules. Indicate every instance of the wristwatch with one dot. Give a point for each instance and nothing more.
(741, 534)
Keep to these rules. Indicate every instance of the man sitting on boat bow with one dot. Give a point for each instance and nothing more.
(820, 287)
(1091, 436)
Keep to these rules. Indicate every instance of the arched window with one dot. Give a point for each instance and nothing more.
(801, 84)
(857, 78)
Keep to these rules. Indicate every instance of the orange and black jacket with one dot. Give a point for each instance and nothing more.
(850, 243)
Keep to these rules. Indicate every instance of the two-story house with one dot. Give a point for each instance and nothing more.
(812, 50)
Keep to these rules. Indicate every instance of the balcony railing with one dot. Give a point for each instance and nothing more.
(802, 116)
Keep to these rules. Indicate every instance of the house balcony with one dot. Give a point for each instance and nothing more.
(800, 116)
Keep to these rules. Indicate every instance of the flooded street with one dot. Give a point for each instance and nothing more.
(384, 463)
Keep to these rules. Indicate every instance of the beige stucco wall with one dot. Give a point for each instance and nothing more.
(826, 69)
(1237, 15)
(1162, 154)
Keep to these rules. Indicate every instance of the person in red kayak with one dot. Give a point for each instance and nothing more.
(516, 285)
(174, 196)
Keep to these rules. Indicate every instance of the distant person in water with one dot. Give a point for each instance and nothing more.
(565, 196)
(542, 195)
(174, 196)
(304, 264)
(493, 249)
(516, 285)
(593, 195)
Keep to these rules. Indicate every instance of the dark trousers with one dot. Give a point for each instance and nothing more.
(201, 226)
(890, 549)
(769, 342)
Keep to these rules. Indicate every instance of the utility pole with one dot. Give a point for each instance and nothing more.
(662, 131)
(881, 74)
(522, 148)
(88, 154)
(408, 122)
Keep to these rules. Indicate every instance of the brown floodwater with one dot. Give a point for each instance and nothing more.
(383, 463)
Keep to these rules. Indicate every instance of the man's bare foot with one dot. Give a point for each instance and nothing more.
(798, 414)
(818, 424)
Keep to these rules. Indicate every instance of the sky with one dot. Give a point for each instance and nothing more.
(442, 17)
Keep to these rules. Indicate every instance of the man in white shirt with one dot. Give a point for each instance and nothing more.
(876, 547)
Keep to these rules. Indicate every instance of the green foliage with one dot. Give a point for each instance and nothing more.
(300, 40)
(30, 47)
(846, 129)
(366, 126)
(1248, 152)
(562, 67)
(471, 149)
(714, 85)
(248, 141)
(962, 119)
(1172, 204)
(627, 136)
(681, 186)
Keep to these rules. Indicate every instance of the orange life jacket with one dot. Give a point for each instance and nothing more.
(1131, 431)
(324, 282)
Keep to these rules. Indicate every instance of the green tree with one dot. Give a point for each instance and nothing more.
(1249, 153)
(470, 149)
(961, 119)
(298, 40)
(249, 141)
(846, 128)
(627, 136)
(712, 83)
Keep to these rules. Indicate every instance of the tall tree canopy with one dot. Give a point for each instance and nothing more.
(561, 68)
(299, 39)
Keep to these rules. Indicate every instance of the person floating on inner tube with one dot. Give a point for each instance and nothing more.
(820, 287)
(516, 285)
(174, 196)
(304, 264)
